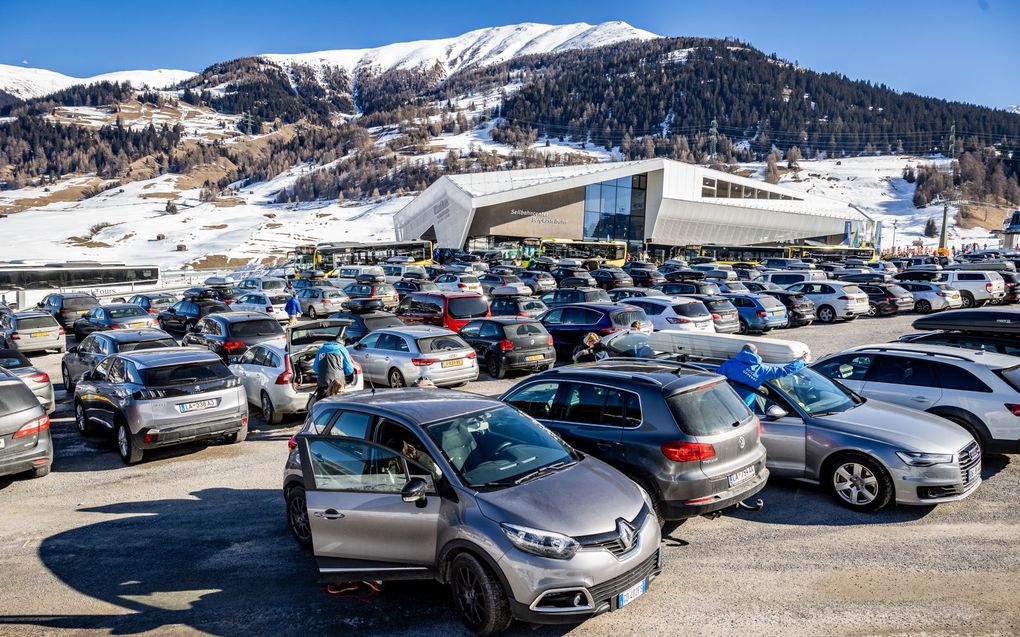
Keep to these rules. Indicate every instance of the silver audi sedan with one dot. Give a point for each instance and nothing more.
(402, 356)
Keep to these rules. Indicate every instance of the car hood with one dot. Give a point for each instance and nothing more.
(583, 499)
(908, 429)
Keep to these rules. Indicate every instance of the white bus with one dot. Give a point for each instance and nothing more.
(25, 283)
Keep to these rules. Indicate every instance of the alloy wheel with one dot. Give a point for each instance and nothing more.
(122, 441)
(312, 313)
(855, 483)
(79, 418)
(298, 515)
(825, 315)
(397, 379)
(872, 310)
(471, 596)
(267, 408)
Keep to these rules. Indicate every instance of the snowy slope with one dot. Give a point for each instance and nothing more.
(27, 83)
(477, 48)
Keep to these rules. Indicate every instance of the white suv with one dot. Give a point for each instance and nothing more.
(789, 277)
(834, 299)
(673, 313)
(459, 283)
(932, 297)
(980, 391)
(976, 288)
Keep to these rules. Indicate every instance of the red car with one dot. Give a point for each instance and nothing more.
(452, 310)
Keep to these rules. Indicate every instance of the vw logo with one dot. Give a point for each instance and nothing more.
(626, 532)
(741, 442)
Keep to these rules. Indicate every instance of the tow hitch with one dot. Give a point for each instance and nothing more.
(757, 506)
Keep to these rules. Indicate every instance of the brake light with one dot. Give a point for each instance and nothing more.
(687, 451)
(609, 330)
(116, 326)
(761, 314)
(15, 336)
(423, 362)
(153, 310)
(462, 286)
(292, 443)
(232, 345)
(940, 294)
(33, 427)
(288, 373)
(757, 422)
(39, 377)
(472, 355)
(890, 298)
(61, 331)
(677, 319)
(357, 367)
(506, 345)
(988, 287)
(326, 301)
(715, 316)
(1013, 408)
(550, 341)
(845, 298)
(269, 309)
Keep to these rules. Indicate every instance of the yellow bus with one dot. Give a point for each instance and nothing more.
(757, 254)
(327, 256)
(614, 252)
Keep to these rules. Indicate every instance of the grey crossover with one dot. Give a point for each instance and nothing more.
(98, 345)
(432, 483)
(162, 397)
(680, 432)
(25, 442)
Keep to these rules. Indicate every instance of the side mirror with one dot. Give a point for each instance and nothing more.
(39, 304)
(360, 345)
(193, 329)
(87, 375)
(72, 349)
(775, 412)
(171, 310)
(414, 491)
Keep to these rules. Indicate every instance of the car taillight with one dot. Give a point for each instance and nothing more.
(32, 428)
(890, 298)
(232, 345)
(357, 367)
(472, 355)
(715, 316)
(153, 310)
(677, 319)
(116, 326)
(761, 314)
(462, 286)
(423, 362)
(39, 377)
(1013, 408)
(506, 345)
(269, 309)
(988, 287)
(326, 301)
(292, 443)
(845, 298)
(61, 331)
(288, 373)
(15, 336)
(758, 423)
(609, 330)
(687, 451)
(940, 294)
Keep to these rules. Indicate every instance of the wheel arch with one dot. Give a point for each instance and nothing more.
(837, 454)
(454, 548)
(956, 414)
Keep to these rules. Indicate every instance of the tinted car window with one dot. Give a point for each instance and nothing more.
(626, 317)
(692, 310)
(523, 329)
(901, 370)
(353, 424)
(849, 367)
(257, 327)
(536, 400)
(467, 307)
(951, 377)
(185, 374)
(708, 410)
(15, 397)
(380, 322)
(79, 302)
(125, 312)
(35, 322)
(13, 360)
(441, 343)
(154, 344)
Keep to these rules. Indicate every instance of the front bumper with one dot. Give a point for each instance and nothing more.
(932, 485)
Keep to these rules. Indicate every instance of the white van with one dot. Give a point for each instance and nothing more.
(789, 277)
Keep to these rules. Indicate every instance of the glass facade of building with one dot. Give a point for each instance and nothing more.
(615, 210)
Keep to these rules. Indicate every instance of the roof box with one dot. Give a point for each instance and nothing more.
(983, 320)
(723, 346)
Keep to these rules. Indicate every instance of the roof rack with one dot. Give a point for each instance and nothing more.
(914, 351)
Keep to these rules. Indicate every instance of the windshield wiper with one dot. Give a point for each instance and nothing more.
(544, 471)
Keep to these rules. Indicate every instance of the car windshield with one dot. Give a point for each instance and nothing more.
(630, 345)
(154, 344)
(468, 307)
(279, 299)
(79, 303)
(499, 447)
(737, 287)
(162, 301)
(36, 322)
(332, 294)
(628, 317)
(380, 322)
(13, 360)
(15, 397)
(273, 285)
(534, 305)
(125, 312)
(427, 286)
(510, 278)
(445, 343)
(708, 409)
(816, 394)
(596, 296)
(257, 327)
(710, 288)
(852, 289)
(692, 310)
(896, 290)
(523, 329)
(720, 305)
(770, 302)
(185, 374)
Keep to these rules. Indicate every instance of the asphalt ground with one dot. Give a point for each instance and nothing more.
(194, 541)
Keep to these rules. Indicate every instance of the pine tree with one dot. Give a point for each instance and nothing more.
(792, 158)
(931, 229)
(772, 169)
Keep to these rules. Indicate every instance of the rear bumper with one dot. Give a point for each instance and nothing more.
(519, 360)
(452, 376)
(152, 437)
(41, 455)
(39, 344)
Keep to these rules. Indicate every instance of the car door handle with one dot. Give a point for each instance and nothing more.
(920, 399)
(329, 514)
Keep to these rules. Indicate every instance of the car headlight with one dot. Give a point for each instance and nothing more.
(918, 459)
(543, 543)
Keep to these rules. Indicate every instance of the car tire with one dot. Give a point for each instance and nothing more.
(269, 413)
(297, 516)
(39, 472)
(826, 314)
(922, 307)
(859, 482)
(666, 526)
(495, 367)
(238, 436)
(872, 310)
(62, 350)
(395, 379)
(968, 300)
(744, 328)
(81, 422)
(478, 596)
(65, 378)
(126, 447)
(161, 324)
(312, 314)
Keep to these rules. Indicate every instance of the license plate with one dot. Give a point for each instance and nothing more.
(139, 324)
(454, 363)
(971, 473)
(534, 357)
(198, 405)
(631, 593)
(740, 476)
(35, 334)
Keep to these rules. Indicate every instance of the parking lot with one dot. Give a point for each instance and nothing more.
(194, 539)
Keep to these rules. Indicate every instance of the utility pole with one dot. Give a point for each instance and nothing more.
(713, 137)
(952, 141)
(895, 223)
(945, 224)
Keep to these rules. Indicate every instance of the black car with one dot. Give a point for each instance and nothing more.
(517, 306)
(183, 315)
(557, 298)
(510, 344)
(562, 273)
(646, 278)
(96, 346)
(407, 286)
(619, 294)
(362, 323)
(153, 302)
(691, 286)
(66, 308)
(630, 266)
(987, 341)
(230, 334)
(800, 310)
(887, 299)
(569, 324)
(609, 279)
(1012, 281)
(114, 316)
(575, 282)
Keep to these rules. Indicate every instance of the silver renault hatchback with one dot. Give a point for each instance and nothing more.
(431, 483)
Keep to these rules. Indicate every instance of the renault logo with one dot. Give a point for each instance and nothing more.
(626, 532)
(741, 442)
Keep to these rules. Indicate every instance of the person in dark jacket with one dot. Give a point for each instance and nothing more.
(746, 369)
(332, 365)
(590, 350)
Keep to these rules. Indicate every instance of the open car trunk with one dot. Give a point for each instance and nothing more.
(303, 343)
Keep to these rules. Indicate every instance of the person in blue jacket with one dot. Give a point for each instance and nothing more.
(747, 370)
(293, 309)
(332, 366)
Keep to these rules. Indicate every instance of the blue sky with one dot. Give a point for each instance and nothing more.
(957, 49)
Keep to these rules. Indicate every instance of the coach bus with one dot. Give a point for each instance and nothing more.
(327, 256)
(26, 283)
(756, 254)
(614, 252)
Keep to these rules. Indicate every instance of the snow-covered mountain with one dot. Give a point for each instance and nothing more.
(1014, 109)
(481, 47)
(27, 83)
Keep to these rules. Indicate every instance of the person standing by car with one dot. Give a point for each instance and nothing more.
(332, 365)
(590, 350)
(293, 309)
(746, 369)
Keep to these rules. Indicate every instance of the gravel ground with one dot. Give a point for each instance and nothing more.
(194, 541)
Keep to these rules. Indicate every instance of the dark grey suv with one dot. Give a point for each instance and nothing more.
(681, 433)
